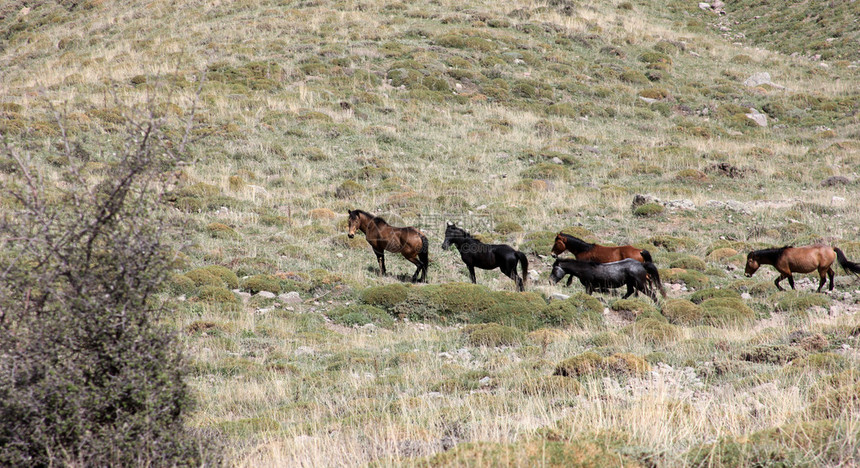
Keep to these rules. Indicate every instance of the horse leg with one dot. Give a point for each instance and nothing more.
(823, 279)
(472, 273)
(380, 259)
(630, 290)
(419, 266)
(830, 274)
(791, 280)
(569, 281)
(781, 277)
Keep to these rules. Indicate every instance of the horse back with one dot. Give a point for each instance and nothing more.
(808, 258)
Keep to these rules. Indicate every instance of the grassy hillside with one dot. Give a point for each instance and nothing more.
(517, 120)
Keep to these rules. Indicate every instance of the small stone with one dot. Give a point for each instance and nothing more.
(485, 381)
(556, 160)
(647, 100)
(558, 297)
(266, 294)
(303, 350)
(757, 117)
(181, 298)
(704, 6)
(757, 79)
(746, 296)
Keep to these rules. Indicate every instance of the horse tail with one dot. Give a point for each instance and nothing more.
(654, 277)
(646, 255)
(424, 253)
(849, 266)
(524, 264)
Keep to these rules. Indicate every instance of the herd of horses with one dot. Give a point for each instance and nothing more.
(597, 267)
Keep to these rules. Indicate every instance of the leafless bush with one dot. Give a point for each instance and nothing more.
(87, 374)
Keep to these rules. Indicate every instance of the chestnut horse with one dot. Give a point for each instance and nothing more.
(788, 260)
(584, 251)
(382, 236)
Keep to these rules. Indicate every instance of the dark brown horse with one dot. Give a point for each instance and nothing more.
(382, 236)
(584, 251)
(788, 260)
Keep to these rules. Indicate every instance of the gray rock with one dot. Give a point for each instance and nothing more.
(683, 205)
(704, 6)
(291, 297)
(485, 381)
(641, 199)
(556, 160)
(266, 294)
(304, 350)
(757, 79)
(242, 295)
(647, 100)
(757, 117)
(558, 297)
(746, 296)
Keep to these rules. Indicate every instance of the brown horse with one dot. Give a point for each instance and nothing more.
(788, 260)
(382, 236)
(584, 251)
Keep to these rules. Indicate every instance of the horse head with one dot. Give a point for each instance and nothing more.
(752, 265)
(557, 273)
(558, 247)
(354, 222)
(450, 232)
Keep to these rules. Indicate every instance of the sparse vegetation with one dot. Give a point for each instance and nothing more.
(517, 120)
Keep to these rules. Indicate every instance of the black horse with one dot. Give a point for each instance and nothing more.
(638, 276)
(486, 256)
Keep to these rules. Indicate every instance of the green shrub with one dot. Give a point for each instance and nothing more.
(653, 331)
(689, 262)
(592, 364)
(580, 310)
(630, 309)
(180, 284)
(682, 312)
(635, 77)
(720, 311)
(360, 314)
(221, 231)
(508, 227)
(492, 334)
(203, 277)
(546, 171)
(648, 209)
(672, 244)
(258, 283)
(699, 296)
(772, 354)
(825, 362)
(386, 296)
(521, 310)
(216, 294)
(693, 279)
(225, 274)
(797, 301)
(348, 188)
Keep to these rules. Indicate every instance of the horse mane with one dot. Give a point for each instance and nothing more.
(373, 217)
(580, 244)
(464, 233)
(770, 255)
